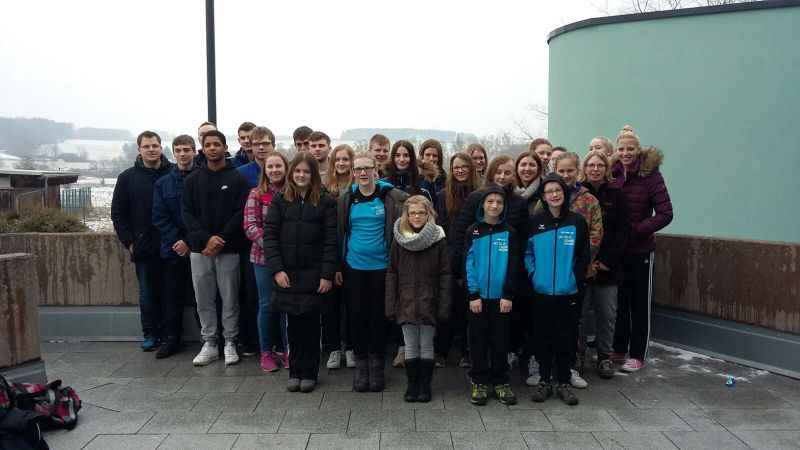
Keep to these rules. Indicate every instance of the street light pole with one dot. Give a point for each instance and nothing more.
(211, 70)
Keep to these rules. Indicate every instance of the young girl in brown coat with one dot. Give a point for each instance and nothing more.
(418, 290)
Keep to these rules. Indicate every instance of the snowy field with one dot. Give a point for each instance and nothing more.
(98, 218)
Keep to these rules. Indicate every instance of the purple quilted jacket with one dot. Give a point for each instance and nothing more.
(649, 206)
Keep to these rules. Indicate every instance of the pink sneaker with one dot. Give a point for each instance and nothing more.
(632, 365)
(268, 362)
(618, 357)
(285, 360)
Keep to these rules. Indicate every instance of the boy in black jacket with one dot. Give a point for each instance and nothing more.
(213, 201)
(556, 257)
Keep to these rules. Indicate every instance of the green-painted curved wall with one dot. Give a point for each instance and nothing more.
(719, 93)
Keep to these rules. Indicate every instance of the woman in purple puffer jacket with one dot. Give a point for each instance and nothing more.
(649, 210)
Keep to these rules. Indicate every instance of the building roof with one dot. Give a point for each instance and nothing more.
(38, 173)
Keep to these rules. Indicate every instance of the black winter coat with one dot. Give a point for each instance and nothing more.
(301, 240)
(132, 208)
(614, 207)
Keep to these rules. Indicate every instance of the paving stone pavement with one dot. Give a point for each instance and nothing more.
(680, 400)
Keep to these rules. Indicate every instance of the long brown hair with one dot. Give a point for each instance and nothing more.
(458, 191)
(263, 179)
(331, 177)
(539, 168)
(290, 192)
(492, 167)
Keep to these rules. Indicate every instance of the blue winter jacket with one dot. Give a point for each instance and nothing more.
(167, 212)
(491, 261)
(557, 252)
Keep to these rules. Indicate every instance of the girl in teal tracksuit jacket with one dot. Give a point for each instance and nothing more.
(556, 257)
(491, 265)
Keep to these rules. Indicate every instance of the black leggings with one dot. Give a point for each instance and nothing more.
(365, 297)
(556, 321)
(633, 309)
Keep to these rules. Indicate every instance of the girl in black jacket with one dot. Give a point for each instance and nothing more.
(601, 291)
(300, 243)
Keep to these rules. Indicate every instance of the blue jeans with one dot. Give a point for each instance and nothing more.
(149, 274)
(266, 315)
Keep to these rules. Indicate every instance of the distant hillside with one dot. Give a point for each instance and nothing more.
(412, 134)
(102, 134)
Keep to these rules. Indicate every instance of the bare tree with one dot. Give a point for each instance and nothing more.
(645, 6)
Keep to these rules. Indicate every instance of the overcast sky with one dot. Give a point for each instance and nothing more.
(456, 65)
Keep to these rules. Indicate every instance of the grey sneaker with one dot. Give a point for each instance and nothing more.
(576, 381)
(307, 385)
(351, 359)
(293, 385)
(334, 360)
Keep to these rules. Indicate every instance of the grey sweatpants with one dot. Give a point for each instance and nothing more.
(602, 298)
(419, 341)
(208, 275)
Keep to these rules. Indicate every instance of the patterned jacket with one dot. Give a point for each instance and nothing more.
(255, 211)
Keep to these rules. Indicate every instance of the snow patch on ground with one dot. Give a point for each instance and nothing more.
(684, 355)
(691, 368)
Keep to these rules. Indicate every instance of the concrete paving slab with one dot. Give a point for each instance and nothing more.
(120, 398)
(83, 383)
(409, 441)
(561, 441)
(460, 400)
(162, 385)
(455, 420)
(723, 397)
(336, 400)
(649, 420)
(271, 441)
(381, 421)
(58, 368)
(704, 440)
(76, 439)
(640, 441)
(770, 440)
(199, 442)
(516, 420)
(86, 358)
(212, 384)
(247, 422)
(125, 442)
(214, 369)
(655, 395)
(228, 401)
(314, 422)
(344, 441)
(599, 398)
(582, 420)
(698, 419)
(289, 401)
(757, 419)
(265, 382)
(145, 370)
(63, 347)
(394, 400)
(487, 439)
(180, 422)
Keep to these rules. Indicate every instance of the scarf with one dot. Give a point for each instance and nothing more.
(429, 235)
(528, 192)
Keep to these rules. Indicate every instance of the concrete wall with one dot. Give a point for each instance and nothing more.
(716, 88)
(78, 269)
(19, 322)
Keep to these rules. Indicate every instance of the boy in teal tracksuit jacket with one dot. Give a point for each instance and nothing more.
(491, 265)
(556, 257)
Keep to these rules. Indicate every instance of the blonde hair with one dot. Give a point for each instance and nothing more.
(606, 141)
(365, 155)
(405, 226)
(331, 177)
(572, 156)
(495, 164)
(592, 154)
(628, 133)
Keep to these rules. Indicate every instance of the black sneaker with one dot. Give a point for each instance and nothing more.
(478, 393)
(504, 393)
(246, 350)
(543, 392)
(566, 395)
(168, 349)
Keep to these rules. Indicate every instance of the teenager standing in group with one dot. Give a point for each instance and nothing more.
(431, 151)
(301, 250)
(338, 180)
(649, 210)
(255, 212)
(461, 181)
(478, 154)
(544, 149)
(418, 283)
(366, 214)
(601, 289)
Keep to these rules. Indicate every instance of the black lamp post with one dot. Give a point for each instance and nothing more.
(211, 74)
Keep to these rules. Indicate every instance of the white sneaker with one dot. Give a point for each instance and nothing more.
(513, 360)
(351, 359)
(207, 354)
(532, 380)
(576, 381)
(533, 372)
(335, 360)
(231, 355)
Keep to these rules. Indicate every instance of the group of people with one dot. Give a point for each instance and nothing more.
(344, 252)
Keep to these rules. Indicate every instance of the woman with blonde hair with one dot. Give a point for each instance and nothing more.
(602, 144)
(544, 149)
(649, 210)
(418, 290)
(341, 177)
(601, 289)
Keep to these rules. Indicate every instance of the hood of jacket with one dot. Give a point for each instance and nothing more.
(492, 189)
(557, 179)
(428, 171)
(381, 185)
(649, 161)
(140, 163)
(429, 235)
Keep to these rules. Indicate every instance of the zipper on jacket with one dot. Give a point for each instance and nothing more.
(489, 278)
(555, 258)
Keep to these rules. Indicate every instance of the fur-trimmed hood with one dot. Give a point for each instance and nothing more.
(428, 171)
(648, 162)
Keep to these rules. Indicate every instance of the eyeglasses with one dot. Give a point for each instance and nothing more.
(417, 213)
(460, 168)
(596, 166)
(262, 144)
(363, 169)
(553, 192)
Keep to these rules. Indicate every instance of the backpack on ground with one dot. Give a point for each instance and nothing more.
(58, 405)
(19, 430)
